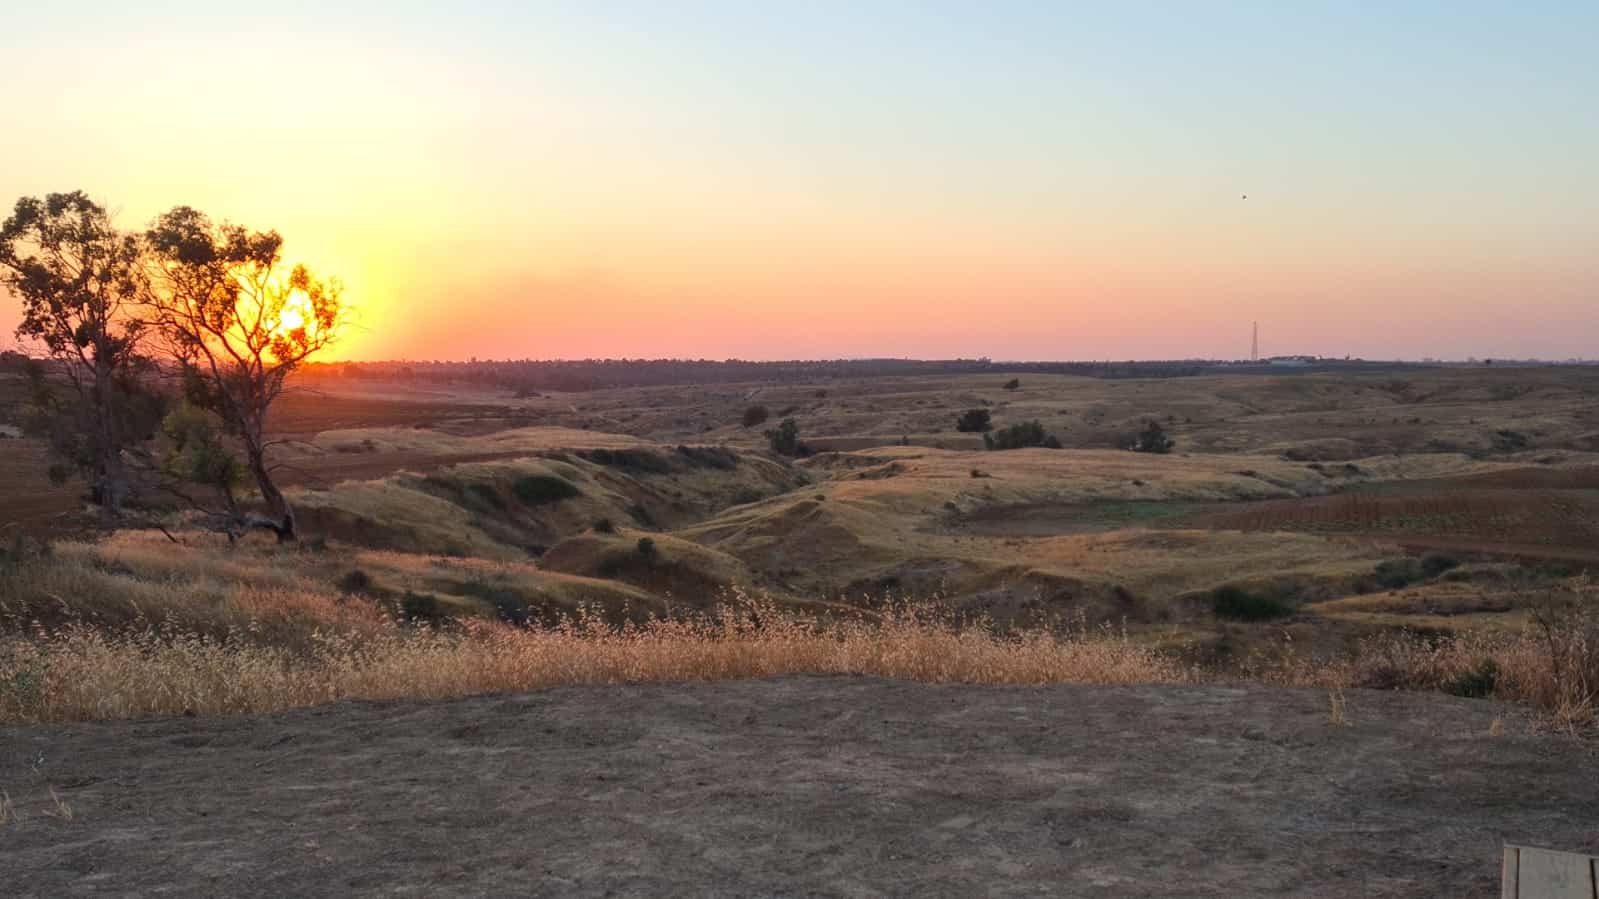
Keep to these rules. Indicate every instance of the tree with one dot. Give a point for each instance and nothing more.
(754, 415)
(647, 550)
(238, 329)
(974, 421)
(1021, 435)
(784, 439)
(79, 280)
(197, 454)
(1153, 439)
(1013, 384)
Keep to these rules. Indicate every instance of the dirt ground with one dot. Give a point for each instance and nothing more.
(801, 786)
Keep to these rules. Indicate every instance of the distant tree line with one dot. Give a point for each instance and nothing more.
(163, 350)
(528, 376)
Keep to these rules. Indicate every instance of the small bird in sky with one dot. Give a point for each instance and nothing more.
(1246, 196)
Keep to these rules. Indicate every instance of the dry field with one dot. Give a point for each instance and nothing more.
(1341, 642)
(1313, 510)
(800, 786)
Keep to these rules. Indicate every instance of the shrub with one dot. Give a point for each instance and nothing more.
(1434, 564)
(354, 581)
(542, 489)
(632, 459)
(1510, 441)
(1013, 384)
(755, 415)
(647, 550)
(1153, 439)
(1476, 683)
(1397, 574)
(974, 421)
(1019, 436)
(1238, 604)
(508, 604)
(784, 439)
(719, 457)
(604, 526)
(421, 607)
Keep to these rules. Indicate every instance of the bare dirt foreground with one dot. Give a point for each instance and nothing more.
(801, 786)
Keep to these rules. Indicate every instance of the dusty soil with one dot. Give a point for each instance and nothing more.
(801, 786)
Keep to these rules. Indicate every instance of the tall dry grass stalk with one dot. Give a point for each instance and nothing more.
(77, 672)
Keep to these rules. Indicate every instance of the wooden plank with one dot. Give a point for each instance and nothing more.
(1548, 874)
(1510, 873)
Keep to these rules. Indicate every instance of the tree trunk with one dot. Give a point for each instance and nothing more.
(110, 485)
(276, 502)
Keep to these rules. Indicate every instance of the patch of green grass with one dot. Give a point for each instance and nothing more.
(1237, 604)
(542, 489)
(629, 459)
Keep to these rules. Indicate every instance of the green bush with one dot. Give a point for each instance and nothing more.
(1153, 439)
(631, 459)
(974, 421)
(542, 489)
(647, 550)
(354, 581)
(1434, 564)
(755, 415)
(1238, 604)
(784, 439)
(1478, 683)
(421, 607)
(1021, 435)
(718, 457)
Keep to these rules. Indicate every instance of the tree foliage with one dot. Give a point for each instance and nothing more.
(974, 421)
(212, 300)
(79, 281)
(1021, 435)
(1153, 439)
(237, 326)
(197, 453)
(784, 439)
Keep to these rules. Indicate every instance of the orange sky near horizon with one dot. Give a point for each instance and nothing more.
(1015, 183)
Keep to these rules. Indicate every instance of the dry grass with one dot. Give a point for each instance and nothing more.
(1337, 708)
(1552, 664)
(134, 626)
(81, 672)
(77, 672)
(59, 808)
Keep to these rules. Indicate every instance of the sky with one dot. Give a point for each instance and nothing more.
(843, 179)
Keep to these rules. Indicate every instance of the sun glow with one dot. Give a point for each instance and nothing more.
(293, 315)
